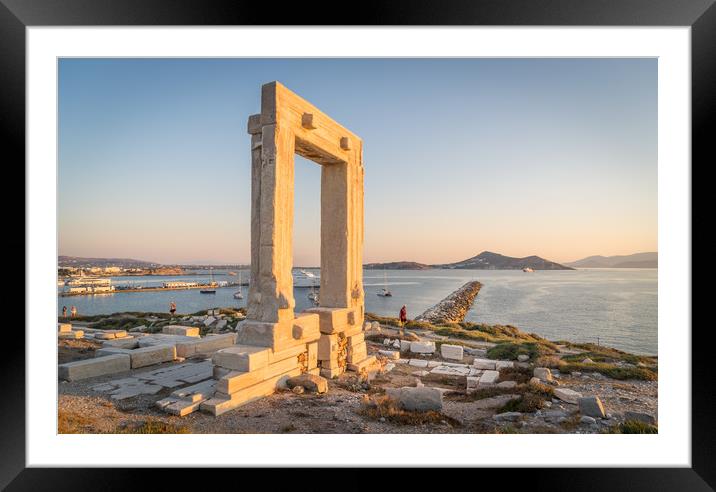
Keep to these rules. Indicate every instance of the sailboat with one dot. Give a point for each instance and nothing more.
(313, 295)
(384, 292)
(238, 294)
(212, 284)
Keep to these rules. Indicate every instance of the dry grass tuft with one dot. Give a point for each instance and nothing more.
(488, 392)
(527, 403)
(153, 426)
(612, 370)
(521, 375)
(551, 361)
(72, 423)
(633, 427)
(288, 428)
(383, 407)
(541, 389)
(571, 423)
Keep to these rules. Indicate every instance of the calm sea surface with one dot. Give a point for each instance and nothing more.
(618, 306)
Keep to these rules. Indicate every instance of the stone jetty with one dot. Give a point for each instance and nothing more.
(454, 307)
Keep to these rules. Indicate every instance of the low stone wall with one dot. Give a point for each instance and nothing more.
(89, 368)
(454, 307)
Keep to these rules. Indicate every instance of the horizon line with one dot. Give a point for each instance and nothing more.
(248, 263)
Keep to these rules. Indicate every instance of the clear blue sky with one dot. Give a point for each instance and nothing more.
(554, 157)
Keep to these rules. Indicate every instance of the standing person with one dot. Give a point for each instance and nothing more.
(73, 311)
(172, 308)
(403, 319)
(64, 311)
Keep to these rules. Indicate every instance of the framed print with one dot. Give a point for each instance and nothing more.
(413, 236)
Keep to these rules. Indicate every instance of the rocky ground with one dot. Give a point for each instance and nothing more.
(513, 404)
(212, 321)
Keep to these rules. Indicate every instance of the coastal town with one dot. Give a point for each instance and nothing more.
(92, 277)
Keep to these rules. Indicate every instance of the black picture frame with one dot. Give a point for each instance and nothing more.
(16, 15)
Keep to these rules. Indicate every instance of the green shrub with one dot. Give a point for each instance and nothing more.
(634, 427)
(599, 353)
(611, 370)
(383, 320)
(152, 426)
(527, 403)
(520, 375)
(488, 392)
(510, 350)
(448, 331)
(382, 407)
(116, 323)
(418, 325)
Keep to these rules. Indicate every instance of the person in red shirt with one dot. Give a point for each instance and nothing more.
(403, 319)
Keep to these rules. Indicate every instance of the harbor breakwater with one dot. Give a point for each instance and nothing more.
(454, 307)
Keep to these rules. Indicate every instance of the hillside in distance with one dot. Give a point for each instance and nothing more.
(488, 260)
(397, 265)
(77, 261)
(484, 261)
(637, 260)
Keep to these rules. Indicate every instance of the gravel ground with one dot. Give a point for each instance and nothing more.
(618, 396)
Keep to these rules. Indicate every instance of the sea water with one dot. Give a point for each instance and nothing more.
(613, 307)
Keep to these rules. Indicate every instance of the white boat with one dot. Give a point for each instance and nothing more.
(527, 270)
(313, 296)
(238, 294)
(303, 278)
(384, 292)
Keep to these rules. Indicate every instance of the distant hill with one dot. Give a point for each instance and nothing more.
(77, 261)
(637, 260)
(495, 261)
(397, 265)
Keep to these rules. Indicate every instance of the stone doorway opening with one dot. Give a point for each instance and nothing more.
(306, 233)
(288, 126)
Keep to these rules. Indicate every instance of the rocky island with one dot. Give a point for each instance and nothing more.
(484, 261)
(397, 265)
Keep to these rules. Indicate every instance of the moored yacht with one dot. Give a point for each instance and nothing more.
(238, 294)
(304, 278)
(313, 296)
(384, 292)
